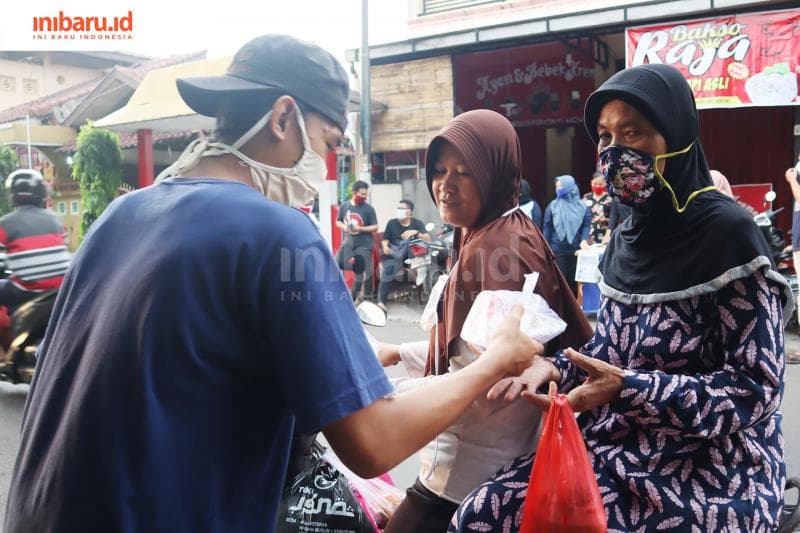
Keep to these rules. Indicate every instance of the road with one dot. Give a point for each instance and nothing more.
(12, 401)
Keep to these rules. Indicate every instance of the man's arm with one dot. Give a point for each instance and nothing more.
(340, 219)
(372, 440)
(370, 222)
(367, 229)
(791, 177)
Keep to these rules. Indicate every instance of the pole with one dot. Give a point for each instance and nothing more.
(365, 113)
(28, 130)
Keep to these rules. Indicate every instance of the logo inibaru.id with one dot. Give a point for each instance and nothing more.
(64, 26)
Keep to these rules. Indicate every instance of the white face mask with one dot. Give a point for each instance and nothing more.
(296, 186)
(402, 214)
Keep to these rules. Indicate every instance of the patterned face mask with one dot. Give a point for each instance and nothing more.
(633, 175)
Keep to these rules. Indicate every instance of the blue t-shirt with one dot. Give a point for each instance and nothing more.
(198, 326)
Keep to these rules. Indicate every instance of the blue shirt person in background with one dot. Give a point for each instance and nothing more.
(567, 221)
(204, 321)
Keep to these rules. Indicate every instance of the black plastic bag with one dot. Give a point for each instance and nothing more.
(319, 500)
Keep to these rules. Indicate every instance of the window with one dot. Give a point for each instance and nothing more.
(74, 207)
(62, 208)
(438, 6)
(30, 86)
(8, 84)
(395, 167)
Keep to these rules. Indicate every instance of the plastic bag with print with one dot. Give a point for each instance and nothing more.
(538, 320)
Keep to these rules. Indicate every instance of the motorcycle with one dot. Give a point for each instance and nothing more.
(426, 263)
(21, 332)
(430, 259)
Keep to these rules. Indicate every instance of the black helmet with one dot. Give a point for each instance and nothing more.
(26, 186)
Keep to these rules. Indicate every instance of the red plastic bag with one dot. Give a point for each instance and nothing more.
(563, 495)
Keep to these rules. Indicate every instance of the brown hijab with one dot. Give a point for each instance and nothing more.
(500, 250)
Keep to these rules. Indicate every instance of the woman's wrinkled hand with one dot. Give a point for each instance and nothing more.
(603, 385)
(536, 375)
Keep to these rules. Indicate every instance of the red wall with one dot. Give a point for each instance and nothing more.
(752, 145)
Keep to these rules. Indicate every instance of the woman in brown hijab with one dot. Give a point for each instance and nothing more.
(473, 175)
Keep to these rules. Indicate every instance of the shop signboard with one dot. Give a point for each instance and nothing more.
(731, 61)
(537, 85)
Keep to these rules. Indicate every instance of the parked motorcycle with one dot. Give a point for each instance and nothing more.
(432, 258)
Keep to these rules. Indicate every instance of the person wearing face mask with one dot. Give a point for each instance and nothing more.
(680, 387)
(599, 203)
(394, 245)
(204, 321)
(567, 222)
(359, 222)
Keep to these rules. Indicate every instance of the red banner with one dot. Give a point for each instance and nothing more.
(538, 85)
(740, 60)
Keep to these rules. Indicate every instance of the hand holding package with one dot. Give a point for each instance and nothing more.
(538, 321)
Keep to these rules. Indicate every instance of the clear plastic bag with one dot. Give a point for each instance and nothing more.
(378, 496)
(490, 307)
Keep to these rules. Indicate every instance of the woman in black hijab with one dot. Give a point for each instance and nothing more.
(680, 415)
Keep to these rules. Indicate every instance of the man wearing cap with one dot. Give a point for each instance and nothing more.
(201, 324)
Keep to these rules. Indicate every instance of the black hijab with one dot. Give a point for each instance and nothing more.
(659, 254)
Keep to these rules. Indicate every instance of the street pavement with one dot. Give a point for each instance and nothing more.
(400, 328)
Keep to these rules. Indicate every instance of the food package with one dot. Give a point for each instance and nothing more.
(539, 321)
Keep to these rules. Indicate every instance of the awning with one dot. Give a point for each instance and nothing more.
(41, 135)
(157, 105)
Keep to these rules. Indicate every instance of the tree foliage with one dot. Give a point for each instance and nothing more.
(97, 166)
(9, 162)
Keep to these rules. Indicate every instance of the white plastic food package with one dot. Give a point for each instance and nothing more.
(490, 307)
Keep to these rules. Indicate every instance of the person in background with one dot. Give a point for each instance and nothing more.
(394, 245)
(721, 183)
(791, 178)
(617, 215)
(528, 205)
(33, 245)
(358, 220)
(599, 203)
(566, 227)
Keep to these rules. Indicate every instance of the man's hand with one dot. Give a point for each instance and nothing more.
(536, 375)
(386, 249)
(584, 245)
(510, 348)
(603, 385)
(408, 234)
(791, 175)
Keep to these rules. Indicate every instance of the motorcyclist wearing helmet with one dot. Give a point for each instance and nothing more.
(32, 241)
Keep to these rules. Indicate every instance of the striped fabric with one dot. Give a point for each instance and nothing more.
(32, 247)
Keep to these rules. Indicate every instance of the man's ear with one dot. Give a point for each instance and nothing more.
(283, 115)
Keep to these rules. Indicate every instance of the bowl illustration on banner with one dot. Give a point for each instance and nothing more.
(775, 85)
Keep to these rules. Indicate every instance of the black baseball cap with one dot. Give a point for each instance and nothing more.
(275, 64)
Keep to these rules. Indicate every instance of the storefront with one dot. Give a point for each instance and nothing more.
(743, 70)
(538, 73)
